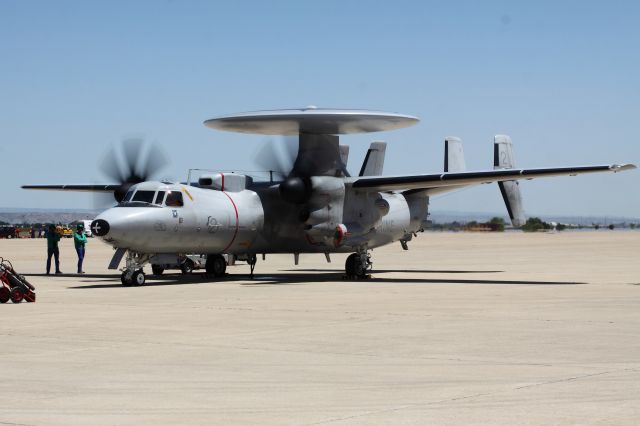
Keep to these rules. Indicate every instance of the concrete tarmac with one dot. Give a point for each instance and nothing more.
(464, 328)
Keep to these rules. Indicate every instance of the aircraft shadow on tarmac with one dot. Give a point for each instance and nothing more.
(74, 275)
(304, 278)
(320, 275)
(418, 271)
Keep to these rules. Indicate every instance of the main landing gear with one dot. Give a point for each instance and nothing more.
(358, 265)
(216, 265)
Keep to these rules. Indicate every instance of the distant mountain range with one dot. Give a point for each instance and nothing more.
(22, 215)
(437, 216)
(17, 215)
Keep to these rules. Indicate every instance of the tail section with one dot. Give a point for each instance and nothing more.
(453, 155)
(344, 157)
(510, 190)
(374, 160)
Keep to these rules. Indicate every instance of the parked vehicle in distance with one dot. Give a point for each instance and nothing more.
(7, 231)
(22, 232)
(64, 231)
(87, 227)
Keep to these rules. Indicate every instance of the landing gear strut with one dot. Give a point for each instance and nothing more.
(358, 265)
(252, 259)
(132, 274)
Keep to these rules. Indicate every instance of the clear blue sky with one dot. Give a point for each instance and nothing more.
(562, 78)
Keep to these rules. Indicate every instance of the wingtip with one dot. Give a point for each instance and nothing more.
(622, 167)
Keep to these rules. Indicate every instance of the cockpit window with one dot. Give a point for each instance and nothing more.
(144, 196)
(127, 196)
(159, 198)
(174, 199)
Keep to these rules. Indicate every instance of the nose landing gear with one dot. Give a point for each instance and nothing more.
(135, 278)
(358, 265)
(132, 274)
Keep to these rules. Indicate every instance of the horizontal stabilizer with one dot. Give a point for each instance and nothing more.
(444, 180)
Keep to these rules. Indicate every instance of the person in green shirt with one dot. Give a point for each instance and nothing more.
(80, 241)
(52, 248)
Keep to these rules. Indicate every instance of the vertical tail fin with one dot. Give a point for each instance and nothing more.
(510, 190)
(453, 155)
(374, 160)
(344, 157)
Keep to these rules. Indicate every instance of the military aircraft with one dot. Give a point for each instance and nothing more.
(315, 207)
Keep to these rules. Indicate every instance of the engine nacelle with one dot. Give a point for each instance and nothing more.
(323, 208)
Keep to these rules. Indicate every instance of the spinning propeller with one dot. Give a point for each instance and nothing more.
(280, 156)
(277, 155)
(133, 163)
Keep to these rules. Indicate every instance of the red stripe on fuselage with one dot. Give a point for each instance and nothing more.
(236, 231)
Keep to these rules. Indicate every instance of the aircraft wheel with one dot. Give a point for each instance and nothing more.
(360, 271)
(126, 281)
(354, 266)
(350, 265)
(17, 295)
(138, 278)
(157, 269)
(5, 294)
(216, 265)
(187, 267)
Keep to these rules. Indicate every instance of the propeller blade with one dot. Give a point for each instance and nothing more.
(110, 166)
(132, 149)
(154, 161)
(277, 155)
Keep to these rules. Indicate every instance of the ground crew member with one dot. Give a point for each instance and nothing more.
(52, 248)
(80, 240)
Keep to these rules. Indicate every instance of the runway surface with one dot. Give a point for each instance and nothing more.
(464, 328)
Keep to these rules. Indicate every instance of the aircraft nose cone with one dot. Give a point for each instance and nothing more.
(100, 227)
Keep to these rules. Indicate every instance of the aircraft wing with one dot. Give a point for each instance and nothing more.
(80, 188)
(441, 182)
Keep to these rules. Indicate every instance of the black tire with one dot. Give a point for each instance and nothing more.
(187, 267)
(350, 265)
(359, 269)
(157, 269)
(216, 265)
(354, 267)
(138, 278)
(5, 294)
(125, 282)
(17, 295)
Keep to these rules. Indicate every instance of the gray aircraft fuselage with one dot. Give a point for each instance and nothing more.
(258, 220)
